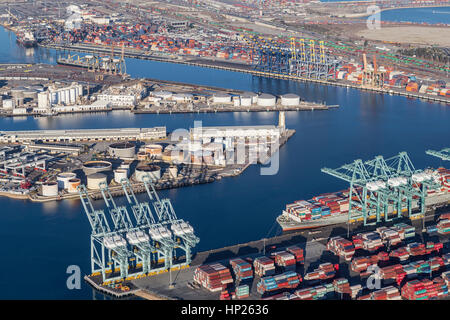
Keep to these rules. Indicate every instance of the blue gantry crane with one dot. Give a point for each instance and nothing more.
(300, 60)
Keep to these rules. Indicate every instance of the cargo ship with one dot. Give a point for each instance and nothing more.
(332, 208)
(27, 40)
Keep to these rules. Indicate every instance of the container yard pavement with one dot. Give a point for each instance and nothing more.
(159, 284)
(313, 242)
(409, 35)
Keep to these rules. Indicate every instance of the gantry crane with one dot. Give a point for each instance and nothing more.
(108, 249)
(443, 154)
(146, 221)
(288, 60)
(182, 230)
(380, 187)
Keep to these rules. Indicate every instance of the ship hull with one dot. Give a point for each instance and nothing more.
(27, 44)
(287, 223)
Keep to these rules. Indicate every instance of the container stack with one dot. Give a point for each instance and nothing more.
(392, 272)
(389, 235)
(298, 253)
(387, 293)
(285, 280)
(371, 241)
(416, 249)
(361, 264)
(401, 253)
(405, 231)
(285, 260)
(424, 289)
(315, 293)
(355, 290)
(242, 292)
(323, 272)
(242, 269)
(264, 266)
(443, 226)
(214, 277)
(432, 230)
(432, 246)
(341, 247)
(342, 286)
(446, 277)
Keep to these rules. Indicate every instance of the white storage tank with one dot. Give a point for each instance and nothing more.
(221, 98)
(154, 172)
(73, 185)
(8, 104)
(63, 179)
(266, 100)
(248, 98)
(50, 189)
(173, 172)
(120, 174)
(290, 99)
(153, 149)
(94, 180)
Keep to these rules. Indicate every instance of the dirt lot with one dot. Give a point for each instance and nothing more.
(411, 35)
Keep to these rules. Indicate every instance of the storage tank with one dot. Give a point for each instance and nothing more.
(63, 179)
(173, 172)
(125, 166)
(91, 167)
(221, 98)
(8, 104)
(154, 172)
(122, 150)
(73, 185)
(153, 149)
(50, 189)
(266, 100)
(120, 174)
(247, 99)
(94, 180)
(290, 99)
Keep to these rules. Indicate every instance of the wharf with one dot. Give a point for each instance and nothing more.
(237, 67)
(306, 106)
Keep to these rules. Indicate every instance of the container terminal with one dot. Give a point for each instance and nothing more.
(332, 261)
(49, 165)
(266, 41)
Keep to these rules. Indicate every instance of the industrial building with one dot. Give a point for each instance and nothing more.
(205, 134)
(83, 134)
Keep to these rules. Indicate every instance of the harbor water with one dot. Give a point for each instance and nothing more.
(42, 240)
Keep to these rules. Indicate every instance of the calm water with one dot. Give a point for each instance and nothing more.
(418, 15)
(41, 240)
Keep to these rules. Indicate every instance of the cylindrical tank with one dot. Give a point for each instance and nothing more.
(120, 174)
(63, 179)
(290, 99)
(94, 180)
(173, 172)
(266, 100)
(8, 104)
(73, 185)
(153, 149)
(50, 189)
(91, 167)
(154, 172)
(247, 99)
(221, 98)
(123, 150)
(125, 166)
